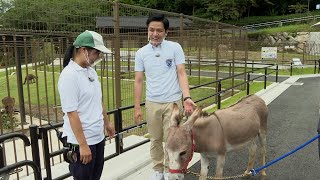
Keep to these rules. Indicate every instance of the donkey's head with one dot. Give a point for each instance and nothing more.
(180, 143)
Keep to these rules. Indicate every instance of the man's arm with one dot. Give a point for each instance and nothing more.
(183, 80)
(184, 85)
(138, 87)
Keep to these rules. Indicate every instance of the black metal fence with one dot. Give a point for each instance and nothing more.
(42, 133)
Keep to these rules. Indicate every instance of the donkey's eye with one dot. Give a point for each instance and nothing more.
(183, 153)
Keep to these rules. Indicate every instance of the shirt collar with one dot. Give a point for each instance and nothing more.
(159, 46)
(76, 66)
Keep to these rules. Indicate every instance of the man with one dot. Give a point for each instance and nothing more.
(162, 62)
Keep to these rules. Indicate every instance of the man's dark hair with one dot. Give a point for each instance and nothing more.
(160, 18)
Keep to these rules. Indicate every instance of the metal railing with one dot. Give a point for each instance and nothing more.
(5, 169)
(41, 133)
(281, 22)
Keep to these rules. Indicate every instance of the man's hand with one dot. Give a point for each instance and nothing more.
(85, 154)
(189, 106)
(137, 115)
(110, 130)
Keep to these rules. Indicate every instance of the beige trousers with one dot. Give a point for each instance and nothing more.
(158, 122)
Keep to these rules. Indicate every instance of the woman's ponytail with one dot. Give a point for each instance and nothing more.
(68, 55)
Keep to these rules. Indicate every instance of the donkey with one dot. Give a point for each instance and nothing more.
(216, 134)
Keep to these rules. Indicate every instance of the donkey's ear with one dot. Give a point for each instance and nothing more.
(175, 116)
(194, 116)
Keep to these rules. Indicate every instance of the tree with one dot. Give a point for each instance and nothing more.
(54, 15)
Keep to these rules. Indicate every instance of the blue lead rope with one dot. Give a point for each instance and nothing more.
(255, 171)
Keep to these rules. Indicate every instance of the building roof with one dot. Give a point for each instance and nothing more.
(136, 22)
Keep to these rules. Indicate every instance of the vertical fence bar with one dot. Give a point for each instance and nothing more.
(233, 59)
(248, 83)
(199, 54)
(277, 72)
(315, 67)
(181, 30)
(2, 157)
(265, 77)
(34, 134)
(219, 95)
(19, 82)
(189, 65)
(46, 152)
(118, 129)
(216, 34)
(116, 20)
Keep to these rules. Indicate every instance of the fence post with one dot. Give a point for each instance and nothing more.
(248, 84)
(181, 30)
(116, 26)
(265, 78)
(2, 158)
(315, 67)
(291, 69)
(46, 153)
(34, 136)
(118, 129)
(277, 69)
(19, 81)
(219, 95)
(189, 65)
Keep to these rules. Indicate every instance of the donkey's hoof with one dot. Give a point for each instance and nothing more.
(262, 177)
(247, 173)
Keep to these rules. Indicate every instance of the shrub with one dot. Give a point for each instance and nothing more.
(8, 121)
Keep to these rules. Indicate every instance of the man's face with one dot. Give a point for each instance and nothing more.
(156, 32)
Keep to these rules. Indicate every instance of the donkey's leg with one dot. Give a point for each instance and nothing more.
(220, 164)
(252, 156)
(263, 143)
(204, 167)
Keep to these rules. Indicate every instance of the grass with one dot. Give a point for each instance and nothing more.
(254, 88)
(289, 29)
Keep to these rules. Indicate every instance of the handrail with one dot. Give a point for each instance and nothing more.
(14, 135)
(36, 170)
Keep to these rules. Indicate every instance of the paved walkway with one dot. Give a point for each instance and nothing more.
(136, 164)
(293, 119)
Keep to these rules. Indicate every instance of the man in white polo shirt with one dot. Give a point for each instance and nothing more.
(85, 117)
(162, 62)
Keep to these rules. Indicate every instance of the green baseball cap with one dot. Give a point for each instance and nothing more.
(91, 39)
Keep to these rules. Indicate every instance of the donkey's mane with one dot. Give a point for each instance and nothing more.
(205, 114)
(239, 101)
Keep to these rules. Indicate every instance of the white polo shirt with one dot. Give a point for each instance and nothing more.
(159, 64)
(78, 93)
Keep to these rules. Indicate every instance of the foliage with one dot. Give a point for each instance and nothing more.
(8, 121)
(78, 15)
(298, 8)
(54, 15)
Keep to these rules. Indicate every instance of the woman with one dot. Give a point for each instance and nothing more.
(85, 117)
